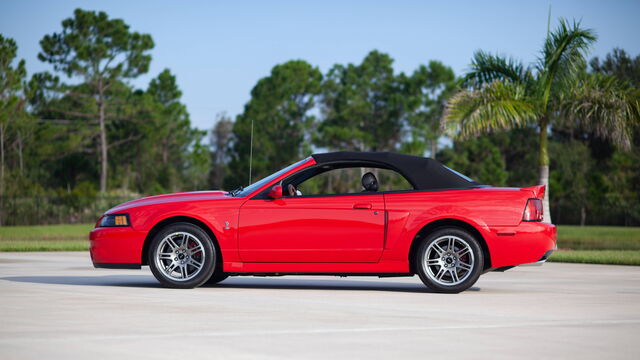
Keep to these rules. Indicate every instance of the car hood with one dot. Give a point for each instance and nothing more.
(171, 198)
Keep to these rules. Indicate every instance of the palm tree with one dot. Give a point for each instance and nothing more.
(502, 94)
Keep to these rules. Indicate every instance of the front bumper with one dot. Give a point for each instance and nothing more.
(116, 247)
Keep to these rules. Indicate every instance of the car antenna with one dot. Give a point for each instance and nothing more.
(251, 151)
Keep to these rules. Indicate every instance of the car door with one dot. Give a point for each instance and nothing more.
(319, 229)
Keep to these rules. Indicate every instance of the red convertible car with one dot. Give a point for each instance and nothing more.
(341, 213)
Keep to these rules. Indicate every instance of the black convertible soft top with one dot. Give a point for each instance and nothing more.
(423, 173)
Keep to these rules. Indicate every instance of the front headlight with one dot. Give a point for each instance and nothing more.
(114, 220)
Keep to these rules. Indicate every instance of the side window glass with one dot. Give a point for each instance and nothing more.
(349, 181)
(390, 180)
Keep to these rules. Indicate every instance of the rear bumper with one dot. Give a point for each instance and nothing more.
(542, 260)
(116, 247)
(527, 243)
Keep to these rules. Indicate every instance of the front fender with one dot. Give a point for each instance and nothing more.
(221, 222)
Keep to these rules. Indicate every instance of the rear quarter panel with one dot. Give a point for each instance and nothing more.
(483, 208)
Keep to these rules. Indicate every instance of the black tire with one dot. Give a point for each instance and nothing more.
(217, 277)
(449, 261)
(199, 276)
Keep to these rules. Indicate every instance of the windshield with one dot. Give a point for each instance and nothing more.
(258, 184)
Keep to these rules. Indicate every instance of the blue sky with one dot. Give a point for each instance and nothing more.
(218, 50)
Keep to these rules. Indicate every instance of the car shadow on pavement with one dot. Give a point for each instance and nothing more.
(324, 284)
(105, 280)
(145, 281)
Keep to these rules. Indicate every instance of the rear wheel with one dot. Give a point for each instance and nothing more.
(182, 256)
(449, 260)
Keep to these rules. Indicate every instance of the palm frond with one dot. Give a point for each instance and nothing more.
(487, 68)
(601, 105)
(496, 106)
(564, 52)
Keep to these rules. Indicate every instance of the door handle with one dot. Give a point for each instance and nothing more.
(362, 206)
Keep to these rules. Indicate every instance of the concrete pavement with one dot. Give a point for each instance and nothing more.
(56, 306)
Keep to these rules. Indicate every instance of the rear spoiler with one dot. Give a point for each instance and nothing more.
(538, 191)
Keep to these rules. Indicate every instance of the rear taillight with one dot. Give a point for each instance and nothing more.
(533, 210)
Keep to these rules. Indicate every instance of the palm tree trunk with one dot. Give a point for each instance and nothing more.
(544, 180)
(544, 169)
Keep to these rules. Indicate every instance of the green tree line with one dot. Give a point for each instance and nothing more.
(82, 132)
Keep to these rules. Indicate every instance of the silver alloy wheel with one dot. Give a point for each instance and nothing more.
(180, 256)
(448, 260)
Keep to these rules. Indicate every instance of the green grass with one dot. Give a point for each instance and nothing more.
(47, 245)
(598, 237)
(611, 257)
(45, 238)
(598, 245)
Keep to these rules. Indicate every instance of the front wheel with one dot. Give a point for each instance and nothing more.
(449, 260)
(182, 256)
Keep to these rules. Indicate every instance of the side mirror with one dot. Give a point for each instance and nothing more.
(275, 192)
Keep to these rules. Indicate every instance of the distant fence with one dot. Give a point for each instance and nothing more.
(567, 214)
(45, 210)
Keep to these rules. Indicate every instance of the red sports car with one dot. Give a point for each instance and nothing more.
(341, 213)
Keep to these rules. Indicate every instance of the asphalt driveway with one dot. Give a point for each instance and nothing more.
(56, 306)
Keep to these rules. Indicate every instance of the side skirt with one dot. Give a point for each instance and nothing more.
(380, 275)
(383, 267)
